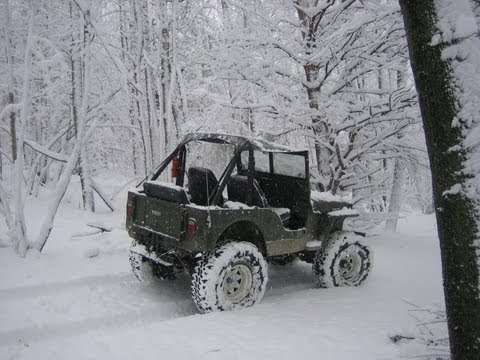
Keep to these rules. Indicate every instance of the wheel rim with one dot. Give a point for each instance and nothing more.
(237, 283)
(350, 264)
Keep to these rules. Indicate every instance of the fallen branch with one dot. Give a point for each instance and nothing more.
(102, 195)
(87, 233)
(101, 227)
(396, 338)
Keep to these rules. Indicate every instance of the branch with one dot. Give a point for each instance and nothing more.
(45, 151)
(9, 109)
(102, 227)
(103, 196)
(6, 155)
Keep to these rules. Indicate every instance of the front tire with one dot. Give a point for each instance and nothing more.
(345, 261)
(232, 276)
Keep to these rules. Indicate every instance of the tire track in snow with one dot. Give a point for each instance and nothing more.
(141, 317)
(47, 288)
(164, 301)
(88, 304)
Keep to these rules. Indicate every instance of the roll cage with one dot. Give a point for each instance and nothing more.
(243, 160)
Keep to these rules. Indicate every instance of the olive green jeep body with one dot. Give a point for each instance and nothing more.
(262, 196)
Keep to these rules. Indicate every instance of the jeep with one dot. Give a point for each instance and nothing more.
(220, 207)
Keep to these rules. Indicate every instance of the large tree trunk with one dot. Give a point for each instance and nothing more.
(457, 213)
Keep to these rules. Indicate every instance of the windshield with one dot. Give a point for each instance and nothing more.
(283, 163)
(209, 155)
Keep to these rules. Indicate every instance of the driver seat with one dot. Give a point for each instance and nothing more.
(201, 184)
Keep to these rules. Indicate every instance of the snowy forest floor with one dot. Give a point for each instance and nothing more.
(65, 304)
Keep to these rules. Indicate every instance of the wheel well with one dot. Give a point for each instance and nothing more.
(245, 231)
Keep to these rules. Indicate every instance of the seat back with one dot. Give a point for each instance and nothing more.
(201, 184)
(237, 189)
(165, 191)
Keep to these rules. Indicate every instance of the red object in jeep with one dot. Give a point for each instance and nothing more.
(176, 165)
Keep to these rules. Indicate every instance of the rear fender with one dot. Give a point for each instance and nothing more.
(244, 231)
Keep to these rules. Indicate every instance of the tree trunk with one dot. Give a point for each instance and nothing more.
(311, 70)
(20, 232)
(85, 173)
(10, 84)
(5, 206)
(73, 159)
(84, 168)
(10, 64)
(396, 195)
(456, 212)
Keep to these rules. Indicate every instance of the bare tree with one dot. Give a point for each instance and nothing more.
(20, 239)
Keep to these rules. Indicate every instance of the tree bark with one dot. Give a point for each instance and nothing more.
(395, 201)
(457, 226)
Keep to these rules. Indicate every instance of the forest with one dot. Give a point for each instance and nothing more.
(95, 94)
(109, 87)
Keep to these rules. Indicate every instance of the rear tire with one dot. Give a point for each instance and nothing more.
(142, 267)
(345, 261)
(232, 276)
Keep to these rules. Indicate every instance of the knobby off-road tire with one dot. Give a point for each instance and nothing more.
(345, 261)
(142, 268)
(232, 276)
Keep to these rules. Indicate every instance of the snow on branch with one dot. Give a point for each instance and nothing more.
(6, 155)
(45, 151)
(10, 108)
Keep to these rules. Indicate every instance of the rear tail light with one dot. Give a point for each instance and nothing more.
(129, 208)
(191, 227)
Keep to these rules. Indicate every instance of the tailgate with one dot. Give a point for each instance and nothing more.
(159, 216)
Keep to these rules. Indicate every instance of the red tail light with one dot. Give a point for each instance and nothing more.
(191, 227)
(129, 208)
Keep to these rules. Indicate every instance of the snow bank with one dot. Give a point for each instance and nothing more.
(61, 305)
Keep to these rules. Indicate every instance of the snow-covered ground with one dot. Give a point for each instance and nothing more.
(63, 304)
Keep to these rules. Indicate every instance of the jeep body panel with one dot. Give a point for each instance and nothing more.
(168, 226)
(215, 222)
